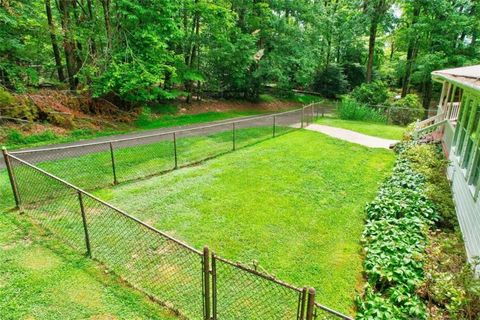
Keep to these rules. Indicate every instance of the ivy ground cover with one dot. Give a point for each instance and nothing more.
(294, 204)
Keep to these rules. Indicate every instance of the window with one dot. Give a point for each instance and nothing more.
(462, 126)
(475, 174)
(472, 136)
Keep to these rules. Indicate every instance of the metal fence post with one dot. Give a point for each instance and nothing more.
(214, 287)
(234, 136)
(206, 282)
(11, 177)
(274, 123)
(175, 149)
(310, 304)
(303, 113)
(113, 164)
(303, 301)
(84, 220)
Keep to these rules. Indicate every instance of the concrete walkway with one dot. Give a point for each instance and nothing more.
(352, 136)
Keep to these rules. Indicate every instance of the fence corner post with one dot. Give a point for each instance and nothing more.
(310, 304)
(11, 177)
(206, 283)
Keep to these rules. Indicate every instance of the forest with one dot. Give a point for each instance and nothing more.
(137, 52)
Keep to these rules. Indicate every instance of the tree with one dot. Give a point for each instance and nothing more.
(376, 11)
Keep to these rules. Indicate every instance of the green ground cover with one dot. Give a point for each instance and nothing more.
(369, 128)
(40, 278)
(294, 204)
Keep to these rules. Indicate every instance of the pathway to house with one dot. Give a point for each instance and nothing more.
(352, 136)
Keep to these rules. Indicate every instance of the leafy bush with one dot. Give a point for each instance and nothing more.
(406, 110)
(395, 240)
(16, 108)
(330, 82)
(406, 264)
(16, 138)
(350, 109)
(428, 160)
(371, 94)
(354, 73)
(144, 117)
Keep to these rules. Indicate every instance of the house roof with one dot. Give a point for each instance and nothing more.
(468, 76)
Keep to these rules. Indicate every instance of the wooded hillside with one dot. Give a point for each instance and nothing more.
(137, 51)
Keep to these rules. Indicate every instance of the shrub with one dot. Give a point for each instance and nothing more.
(16, 108)
(395, 240)
(350, 109)
(406, 110)
(144, 117)
(371, 94)
(16, 138)
(330, 82)
(354, 73)
(428, 160)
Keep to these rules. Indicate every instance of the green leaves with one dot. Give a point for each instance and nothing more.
(395, 239)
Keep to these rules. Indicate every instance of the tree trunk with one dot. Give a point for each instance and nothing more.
(371, 49)
(53, 38)
(193, 49)
(68, 43)
(106, 17)
(93, 45)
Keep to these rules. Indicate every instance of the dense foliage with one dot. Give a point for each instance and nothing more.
(414, 260)
(148, 51)
(394, 239)
(351, 109)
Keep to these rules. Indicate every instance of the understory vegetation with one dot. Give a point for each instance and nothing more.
(414, 257)
(375, 103)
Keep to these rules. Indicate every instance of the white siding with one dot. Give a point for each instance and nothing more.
(467, 208)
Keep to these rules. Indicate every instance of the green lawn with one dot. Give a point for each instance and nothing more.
(294, 204)
(373, 129)
(42, 279)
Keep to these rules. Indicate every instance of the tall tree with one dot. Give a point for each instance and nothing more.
(53, 37)
(376, 11)
(413, 38)
(65, 7)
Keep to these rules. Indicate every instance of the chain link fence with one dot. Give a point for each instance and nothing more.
(196, 284)
(101, 164)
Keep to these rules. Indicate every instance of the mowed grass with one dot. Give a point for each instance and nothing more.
(369, 128)
(40, 278)
(294, 204)
(94, 170)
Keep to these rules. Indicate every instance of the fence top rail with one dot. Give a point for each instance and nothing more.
(239, 120)
(257, 273)
(331, 311)
(186, 246)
